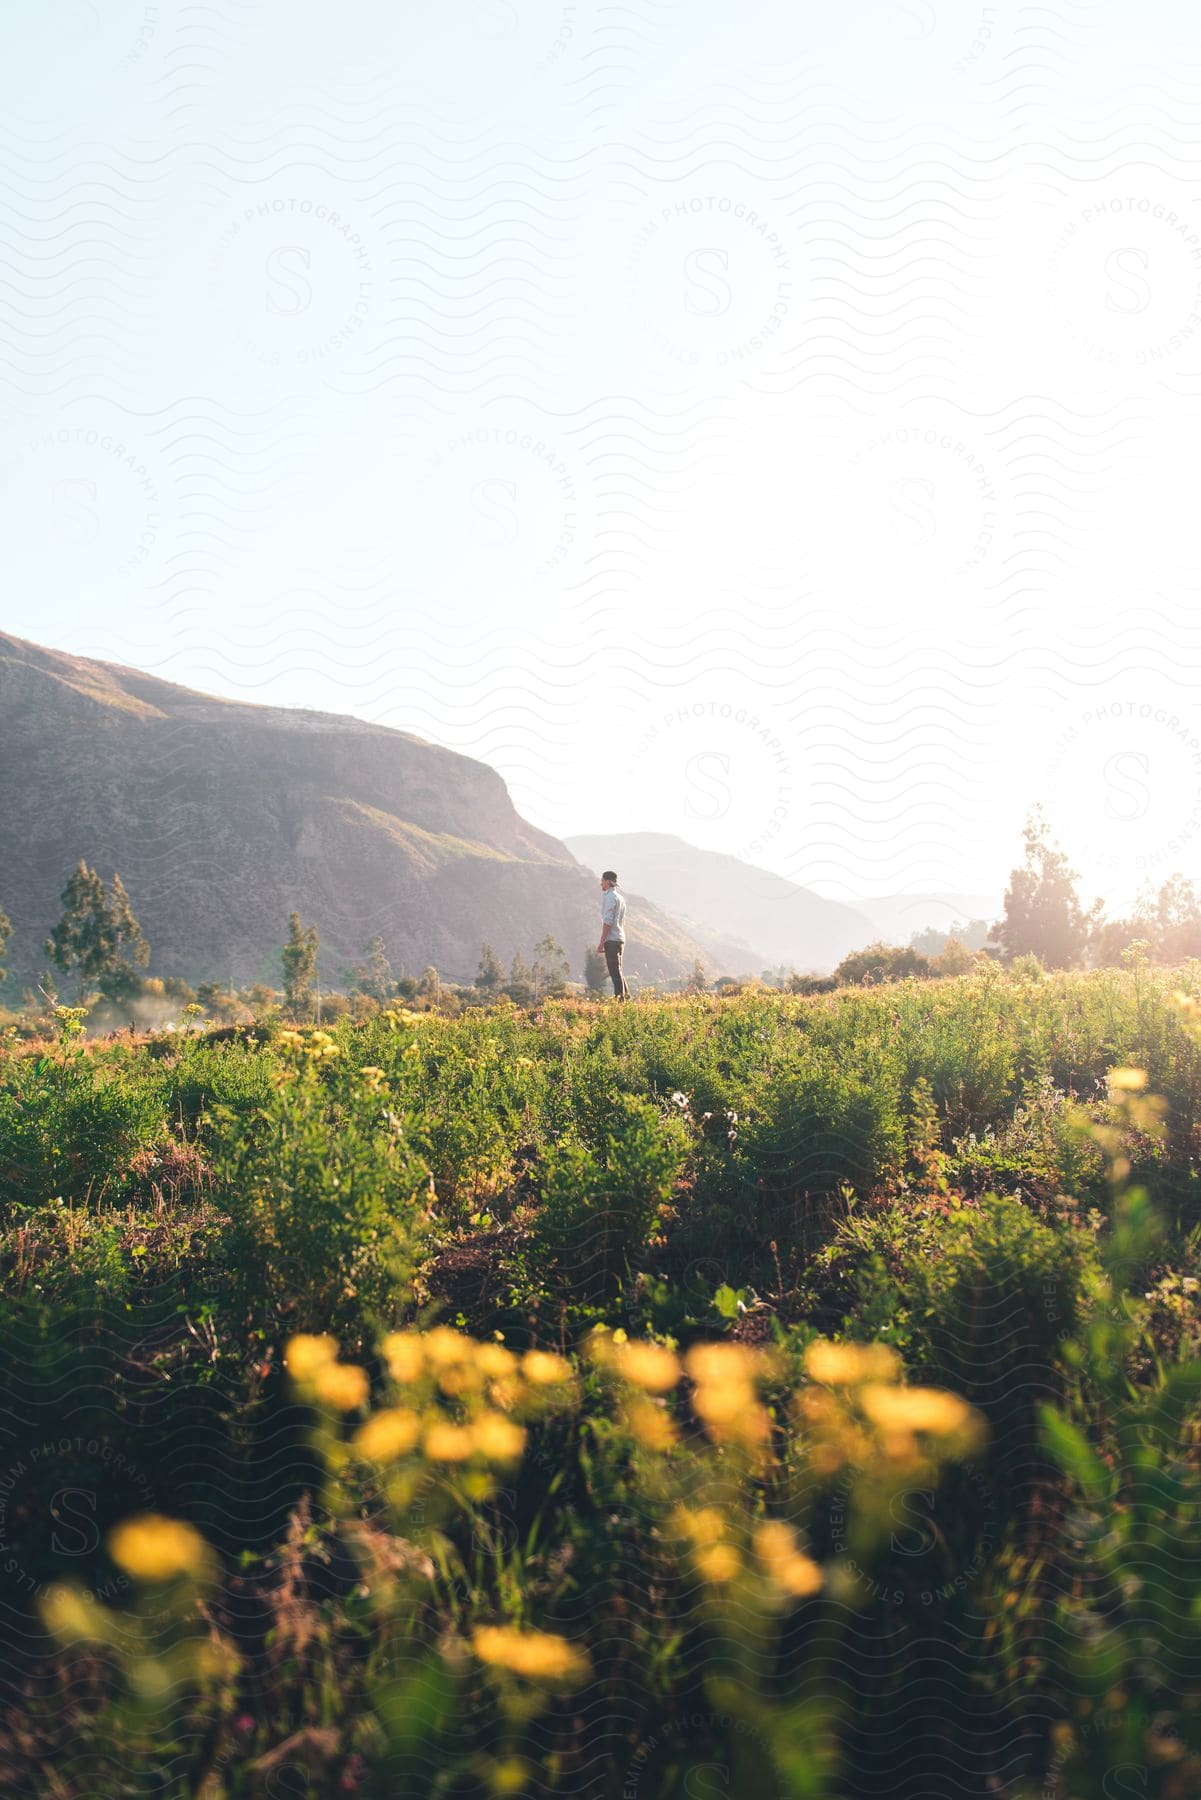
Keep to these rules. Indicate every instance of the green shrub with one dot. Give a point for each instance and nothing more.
(599, 1206)
(326, 1195)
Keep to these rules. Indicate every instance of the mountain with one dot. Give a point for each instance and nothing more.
(711, 892)
(223, 816)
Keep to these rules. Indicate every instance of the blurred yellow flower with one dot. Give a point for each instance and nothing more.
(445, 1442)
(902, 1409)
(442, 1345)
(404, 1354)
(700, 1524)
(841, 1364)
(497, 1438)
(716, 1363)
(306, 1354)
(719, 1562)
(652, 1425)
(388, 1434)
(152, 1548)
(1127, 1081)
(544, 1368)
(649, 1366)
(373, 1078)
(791, 1571)
(537, 1655)
(494, 1359)
(341, 1385)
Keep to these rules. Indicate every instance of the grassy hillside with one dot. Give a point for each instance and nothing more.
(760, 1396)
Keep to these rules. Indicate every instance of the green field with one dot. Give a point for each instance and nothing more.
(752, 1396)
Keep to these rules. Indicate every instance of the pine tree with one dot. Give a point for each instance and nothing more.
(490, 976)
(521, 981)
(6, 932)
(299, 959)
(1043, 915)
(130, 951)
(374, 977)
(551, 971)
(98, 935)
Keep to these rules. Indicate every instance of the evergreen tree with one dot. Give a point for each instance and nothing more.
(6, 932)
(698, 981)
(299, 959)
(490, 976)
(430, 985)
(551, 971)
(595, 970)
(521, 981)
(374, 977)
(130, 951)
(1043, 916)
(98, 935)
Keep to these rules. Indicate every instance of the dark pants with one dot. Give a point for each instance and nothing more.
(613, 959)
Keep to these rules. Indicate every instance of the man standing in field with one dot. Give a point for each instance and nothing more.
(613, 932)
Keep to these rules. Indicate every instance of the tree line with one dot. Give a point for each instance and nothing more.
(99, 941)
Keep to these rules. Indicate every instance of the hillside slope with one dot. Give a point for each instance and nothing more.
(223, 816)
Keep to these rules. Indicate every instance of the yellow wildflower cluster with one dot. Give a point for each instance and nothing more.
(724, 1397)
(858, 1414)
(152, 1548)
(649, 1366)
(790, 1571)
(457, 1401)
(1127, 1081)
(313, 1362)
(706, 1532)
(536, 1655)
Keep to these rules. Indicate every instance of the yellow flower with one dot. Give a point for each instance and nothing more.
(843, 1364)
(494, 1359)
(722, 1405)
(404, 1354)
(1127, 1081)
(544, 1368)
(152, 1548)
(445, 1442)
(903, 1409)
(792, 1572)
(341, 1385)
(373, 1078)
(497, 1438)
(717, 1363)
(537, 1655)
(649, 1366)
(652, 1425)
(306, 1354)
(388, 1434)
(720, 1562)
(442, 1345)
(701, 1524)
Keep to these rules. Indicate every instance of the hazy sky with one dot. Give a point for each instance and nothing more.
(768, 423)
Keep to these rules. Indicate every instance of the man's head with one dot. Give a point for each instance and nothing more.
(609, 879)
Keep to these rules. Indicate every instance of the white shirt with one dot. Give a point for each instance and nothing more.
(613, 914)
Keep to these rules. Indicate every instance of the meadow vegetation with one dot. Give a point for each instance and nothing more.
(760, 1394)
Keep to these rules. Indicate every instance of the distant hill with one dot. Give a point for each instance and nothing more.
(790, 924)
(223, 816)
(712, 892)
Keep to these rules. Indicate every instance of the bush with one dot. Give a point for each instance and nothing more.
(598, 1207)
(325, 1192)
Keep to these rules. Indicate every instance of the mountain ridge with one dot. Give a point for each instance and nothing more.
(223, 816)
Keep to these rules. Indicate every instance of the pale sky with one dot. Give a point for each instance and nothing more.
(767, 423)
